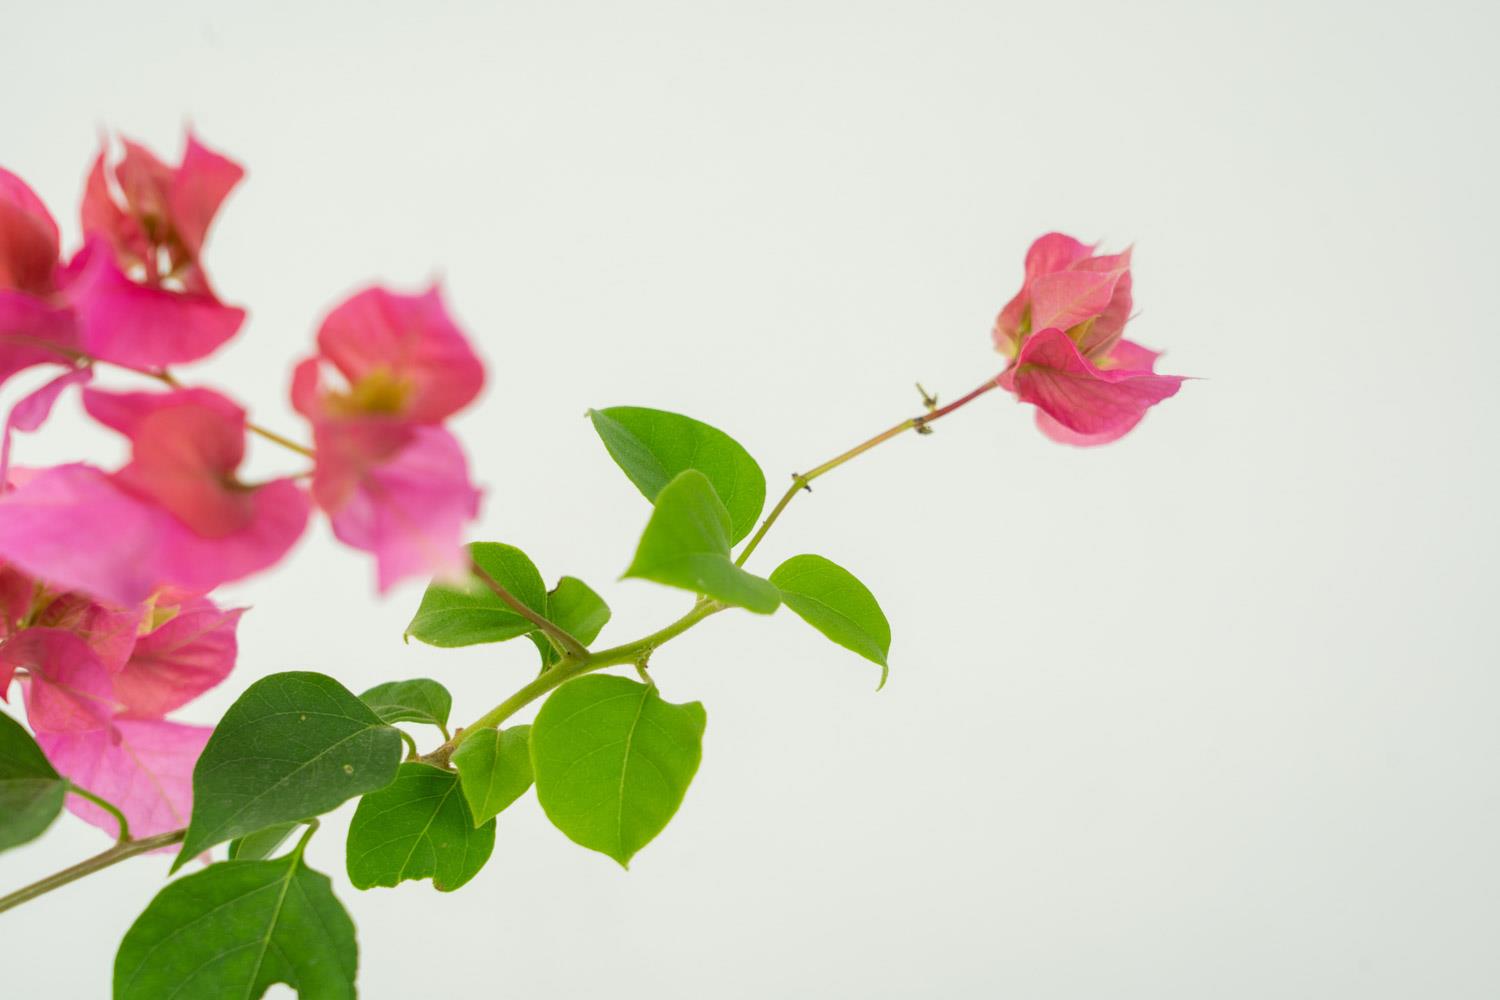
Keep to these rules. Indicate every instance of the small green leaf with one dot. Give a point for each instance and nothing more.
(234, 929)
(654, 446)
(613, 761)
(574, 607)
(31, 791)
(686, 544)
(293, 746)
(494, 766)
(831, 600)
(463, 616)
(419, 700)
(417, 827)
(261, 844)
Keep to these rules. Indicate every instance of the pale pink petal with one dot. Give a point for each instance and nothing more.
(33, 409)
(145, 767)
(141, 326)
(185, 447)
(200, 186)
(1127, 354)
(17, 591)
(410, 339)
(349, 448)
(1067, 298)
(1053, 375)
(1054, 252)
(1101, 336)
(1063, 435)
(171, 666)
(412, 511)
(103, 219)
(109, 631)
(69, 689)
(34, 332)
(29, 243)
(73, 527)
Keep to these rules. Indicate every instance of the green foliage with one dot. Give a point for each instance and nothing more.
(234, 929)
(262, 843)
(613, 761)
(686, 544)
(31, 791)
(653, 447)
(464, 616)
(494, 766)
(574, 607)
(419, 826)
(831, 600)
(293, 746)
(419, 700)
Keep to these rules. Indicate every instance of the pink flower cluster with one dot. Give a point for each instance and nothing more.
(105, 574)
(99, 682)
(1064, 332)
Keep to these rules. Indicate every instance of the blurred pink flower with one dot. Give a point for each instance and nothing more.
(99, 682)
(392, 481)
(174, 516)
(139, 288)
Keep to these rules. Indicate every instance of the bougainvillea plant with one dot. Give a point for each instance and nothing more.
(107, 578)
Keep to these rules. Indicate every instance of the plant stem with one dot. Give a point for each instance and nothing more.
(570, 667)
(801, 480)
(556, 634)
(83, 793)
(116, 854)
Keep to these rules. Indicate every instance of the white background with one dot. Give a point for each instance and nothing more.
(1210, 712)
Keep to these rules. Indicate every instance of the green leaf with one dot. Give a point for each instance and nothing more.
(494, 766)
(419, 826)
(261, 844)
(31, 791)
(575, 608)
(613, 761)
(419, 700)
(234, 929)
(831, 600)
(686, 544)
(463, 616)
(293, 746)
(654, 447)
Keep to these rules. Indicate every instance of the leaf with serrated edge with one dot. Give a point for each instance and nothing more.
(419, 826)
(831, 600)
(234, 929)
(654, 446)
(31, 790)
(421, 700)
(494, 766)
(574, 607)
(613, 761)
(293, 746)
(686, 544)
(463, 616)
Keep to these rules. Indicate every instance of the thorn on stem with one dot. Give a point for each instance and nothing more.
(928, 399)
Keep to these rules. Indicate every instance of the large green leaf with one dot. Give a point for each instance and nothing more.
(470, 614)
(494, 766)
(574, 607)
(419, 826)
(686, 544)
(234, 929)
(831, 600)
(31, 791)
(613, 761)
(419, 700)
(293, 746)
(654, 446)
